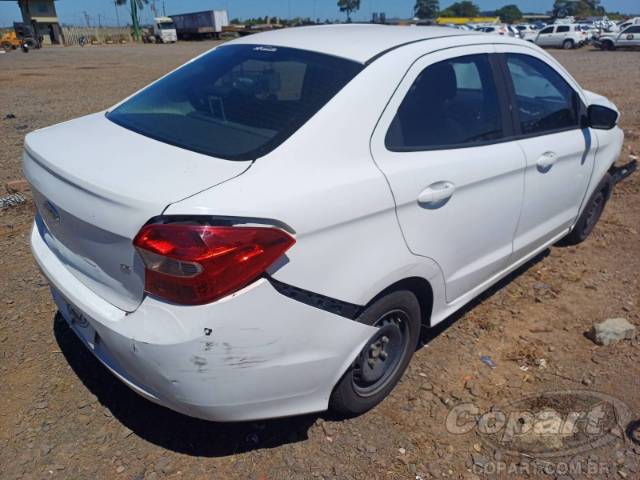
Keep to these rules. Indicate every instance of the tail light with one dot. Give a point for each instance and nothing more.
(196, 264)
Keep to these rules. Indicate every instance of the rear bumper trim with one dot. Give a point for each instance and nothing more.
(333, 305)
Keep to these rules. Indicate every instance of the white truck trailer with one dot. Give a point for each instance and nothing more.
(206, 24)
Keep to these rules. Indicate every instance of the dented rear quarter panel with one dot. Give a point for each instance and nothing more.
(254, 354)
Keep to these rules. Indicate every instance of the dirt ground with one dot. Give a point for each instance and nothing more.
(62, 415)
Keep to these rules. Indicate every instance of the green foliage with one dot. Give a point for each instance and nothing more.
(616, 16)
(348, 6)
(577, 8)
(465, 8)
(509, 13)
(135, 21)
(426, 9)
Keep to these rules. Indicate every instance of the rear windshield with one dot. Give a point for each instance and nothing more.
(237, 102)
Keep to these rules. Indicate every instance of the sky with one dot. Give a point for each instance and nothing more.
(71, 11)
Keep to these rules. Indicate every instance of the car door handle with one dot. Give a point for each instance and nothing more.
(436, 194)
(546, 161)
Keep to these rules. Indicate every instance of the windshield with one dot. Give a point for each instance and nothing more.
(166, 26)
(237, 102)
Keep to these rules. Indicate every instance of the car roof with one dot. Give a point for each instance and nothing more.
(358, 42)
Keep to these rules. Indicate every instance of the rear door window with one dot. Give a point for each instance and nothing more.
(237, 102)
(563, 29)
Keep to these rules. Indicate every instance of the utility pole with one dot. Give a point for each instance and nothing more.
(115, 4)
(99, 20)
(87, 18)
(164, 9)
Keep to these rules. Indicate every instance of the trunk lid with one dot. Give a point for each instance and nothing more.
(95, 184)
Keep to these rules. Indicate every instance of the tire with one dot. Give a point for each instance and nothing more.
(591, 213)
(567, 44)
(7, 46)
(372, 376)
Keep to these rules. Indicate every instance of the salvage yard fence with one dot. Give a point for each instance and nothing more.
(72, 35)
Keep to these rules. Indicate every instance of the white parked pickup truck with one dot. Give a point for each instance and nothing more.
(559, 35)
(629, 37)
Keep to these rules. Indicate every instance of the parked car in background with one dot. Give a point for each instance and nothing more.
(459, 26)
(263, 231)
(513, 31)
(628, 38)
(589, 29)
(525, 29)
(499, 30)
(627, 23)
(565, 36)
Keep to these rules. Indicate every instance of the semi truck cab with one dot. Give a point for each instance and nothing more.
(164, 30)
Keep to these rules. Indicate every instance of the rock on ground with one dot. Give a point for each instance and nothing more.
(612, 331)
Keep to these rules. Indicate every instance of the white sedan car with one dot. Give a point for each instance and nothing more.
(263, 231)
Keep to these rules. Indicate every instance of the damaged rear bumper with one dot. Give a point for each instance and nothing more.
(255, 354)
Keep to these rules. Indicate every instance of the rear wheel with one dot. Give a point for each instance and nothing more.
(385, 356)
(567, 44)
(591, 214)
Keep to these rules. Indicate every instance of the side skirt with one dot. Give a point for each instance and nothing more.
(449, 308)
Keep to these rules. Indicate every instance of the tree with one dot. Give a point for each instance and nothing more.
(465, 8)
(426, 9)
(135, 21)
(577, 8)
(509, 13)
(349, 6)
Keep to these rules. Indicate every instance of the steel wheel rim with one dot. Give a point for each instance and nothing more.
(382, 356)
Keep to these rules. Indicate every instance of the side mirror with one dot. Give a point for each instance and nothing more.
(602, 118)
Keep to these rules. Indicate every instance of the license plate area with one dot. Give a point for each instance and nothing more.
(81, 325)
